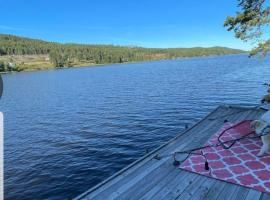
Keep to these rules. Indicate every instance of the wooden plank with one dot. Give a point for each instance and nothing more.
(214, 191)
(161, 184)
(144, 181)
(227, 192)
(265, 196)
(253, 195)
(201, 191)
(240, 193)
(196, 186)
(178, 184)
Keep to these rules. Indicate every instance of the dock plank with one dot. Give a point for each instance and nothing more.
(265, 196)
(214, 191)
(194, 190)
(161, 184)
(240, 193)
(253, 195)
(178, 184)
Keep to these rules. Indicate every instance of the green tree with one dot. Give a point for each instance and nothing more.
(58, 58)
(2, 66)
(251, 23)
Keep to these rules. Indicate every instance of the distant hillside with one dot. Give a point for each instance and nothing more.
(20, 53)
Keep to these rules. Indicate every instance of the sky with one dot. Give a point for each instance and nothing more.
(146, 23)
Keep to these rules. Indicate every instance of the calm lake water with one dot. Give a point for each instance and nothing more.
(67, 130)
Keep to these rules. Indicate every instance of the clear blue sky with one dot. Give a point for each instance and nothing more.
(147, 23)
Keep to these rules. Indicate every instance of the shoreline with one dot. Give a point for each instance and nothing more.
(104, 64)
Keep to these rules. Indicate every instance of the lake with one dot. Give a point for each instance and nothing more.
(67, 130)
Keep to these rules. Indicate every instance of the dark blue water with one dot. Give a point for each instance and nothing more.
(67, 130)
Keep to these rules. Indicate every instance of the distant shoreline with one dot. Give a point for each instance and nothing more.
(27, 54)
(104, 64)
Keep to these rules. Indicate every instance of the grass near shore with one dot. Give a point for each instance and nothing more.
(42, 62)
(36, 62)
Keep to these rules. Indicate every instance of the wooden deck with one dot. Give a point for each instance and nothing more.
(149, 178)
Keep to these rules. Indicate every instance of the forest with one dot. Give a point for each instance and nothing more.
(20, 53)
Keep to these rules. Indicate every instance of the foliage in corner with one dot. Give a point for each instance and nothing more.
(251, 24)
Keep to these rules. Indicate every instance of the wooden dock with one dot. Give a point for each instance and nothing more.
(150, 178)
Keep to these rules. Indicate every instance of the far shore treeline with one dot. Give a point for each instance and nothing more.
(19, 53)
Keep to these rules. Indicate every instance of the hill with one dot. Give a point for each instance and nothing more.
(20, 53)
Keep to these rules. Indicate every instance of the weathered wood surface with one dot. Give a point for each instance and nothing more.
(149, 178)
